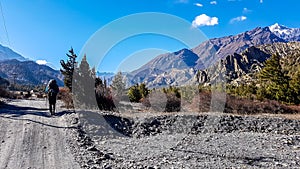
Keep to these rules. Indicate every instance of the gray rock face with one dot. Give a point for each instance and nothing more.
(241, 67)
(13, 66)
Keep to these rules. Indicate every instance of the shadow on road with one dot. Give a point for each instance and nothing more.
(16, 113)
(38, 122)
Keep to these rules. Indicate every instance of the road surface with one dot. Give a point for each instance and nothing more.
(30, 138)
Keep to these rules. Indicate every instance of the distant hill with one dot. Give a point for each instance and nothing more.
(181, 67)
(15, 68)
(28, 72)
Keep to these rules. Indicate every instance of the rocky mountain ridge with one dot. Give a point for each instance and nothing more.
(181, 67)
(241, 68)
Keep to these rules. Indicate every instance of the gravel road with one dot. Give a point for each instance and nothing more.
(29, 138)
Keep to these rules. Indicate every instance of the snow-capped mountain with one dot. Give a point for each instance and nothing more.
(167, 69)
(288, 34)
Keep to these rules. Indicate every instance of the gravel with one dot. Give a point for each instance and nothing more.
(185, 141)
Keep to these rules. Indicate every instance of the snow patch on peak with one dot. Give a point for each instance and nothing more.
(284, 32)
(279, 29)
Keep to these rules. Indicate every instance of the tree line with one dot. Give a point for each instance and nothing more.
(88, 90)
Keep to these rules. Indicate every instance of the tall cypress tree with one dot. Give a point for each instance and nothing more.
(84, 85)
(68, 68)
(272, 71)
(118, 85)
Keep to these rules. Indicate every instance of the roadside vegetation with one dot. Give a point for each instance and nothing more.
(273, 91)
(272, 83)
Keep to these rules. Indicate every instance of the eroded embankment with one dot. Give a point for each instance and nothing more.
(107, 140)
(189, 124)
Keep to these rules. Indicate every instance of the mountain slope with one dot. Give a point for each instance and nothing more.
(28, 72)
(217, 48)
(240, 68)
(155, 72)
(187, 61)
(7, 54)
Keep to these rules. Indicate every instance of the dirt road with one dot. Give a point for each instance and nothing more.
(30, 138)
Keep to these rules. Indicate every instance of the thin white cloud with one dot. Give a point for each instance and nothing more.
(182, 1)
(261, 1)
(246, 10)
(41, 62)
(198, 4)
(213, 2)
(204, 20)
(238, 19)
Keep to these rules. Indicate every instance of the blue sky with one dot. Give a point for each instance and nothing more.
(46, 29)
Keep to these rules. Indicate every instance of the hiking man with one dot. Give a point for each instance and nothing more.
(52, 90)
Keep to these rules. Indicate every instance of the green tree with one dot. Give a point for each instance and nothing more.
(295, 87)
(84, 85)
(118, 85)
(68, 68)
(274, 83)
(144, 90)
(134, 93)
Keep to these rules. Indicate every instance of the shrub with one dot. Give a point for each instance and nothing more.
(173, 99)
(173, 103)
(103, 95)
(104, 99)
(238, 105)
(137, 92)
(201, 102)
(134, 93)
(6, 94)
(66, 96)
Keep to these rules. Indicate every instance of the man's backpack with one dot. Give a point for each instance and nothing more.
(51, 93)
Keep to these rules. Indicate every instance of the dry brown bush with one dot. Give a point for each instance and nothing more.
(66, 96)
(201, 102)
(173, 103)
(238, 105)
